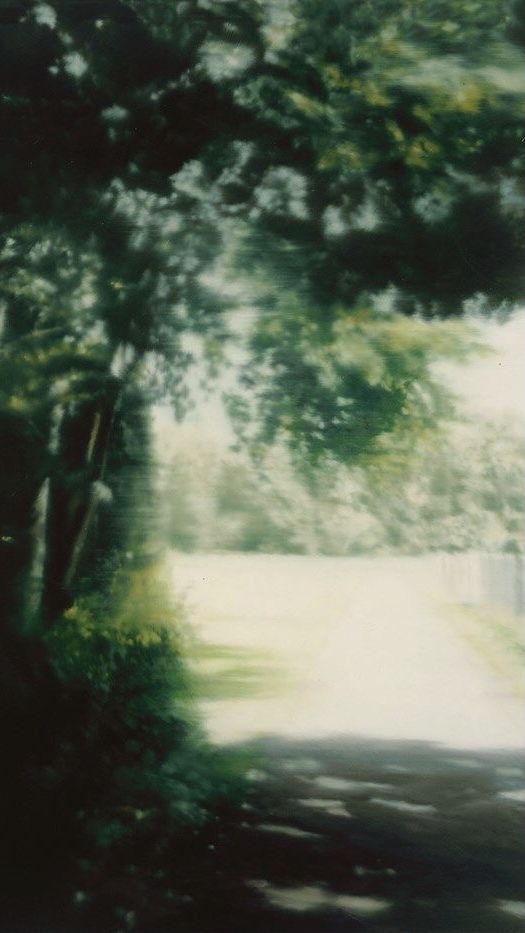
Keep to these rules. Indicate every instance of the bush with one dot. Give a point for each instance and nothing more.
(118, 775)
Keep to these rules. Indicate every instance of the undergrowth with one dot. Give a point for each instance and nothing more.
(112, 786)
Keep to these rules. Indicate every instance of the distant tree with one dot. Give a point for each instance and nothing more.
(455, 487)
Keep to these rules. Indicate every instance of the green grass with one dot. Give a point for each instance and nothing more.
(224, 672)
(497, 635)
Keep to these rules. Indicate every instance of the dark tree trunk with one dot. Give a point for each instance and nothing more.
(73, 499)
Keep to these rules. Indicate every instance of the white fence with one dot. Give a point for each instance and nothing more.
(488, 579)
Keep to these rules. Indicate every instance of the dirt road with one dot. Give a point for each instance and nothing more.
(388, 789)
(322, 646)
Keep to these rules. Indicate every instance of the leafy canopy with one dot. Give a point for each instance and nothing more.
(360, 159)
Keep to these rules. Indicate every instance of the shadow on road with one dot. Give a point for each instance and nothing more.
(357, 834)
(331, 835)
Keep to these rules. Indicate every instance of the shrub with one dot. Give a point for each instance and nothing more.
(120, 774)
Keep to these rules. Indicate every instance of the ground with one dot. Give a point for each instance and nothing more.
(388, 784)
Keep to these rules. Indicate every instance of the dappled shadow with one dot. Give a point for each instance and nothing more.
(357, 834)
(331, 835)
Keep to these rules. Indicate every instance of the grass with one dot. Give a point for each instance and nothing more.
(497, 635)
(223, 672)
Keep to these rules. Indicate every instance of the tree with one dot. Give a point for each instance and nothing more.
(395, 153)
(393, 188)
(373, 171)
(454, 489)
(350, 164)
(336, 388)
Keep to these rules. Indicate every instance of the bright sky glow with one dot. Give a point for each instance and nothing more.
(494, 385)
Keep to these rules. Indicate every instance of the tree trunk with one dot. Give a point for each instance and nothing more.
(73, 511)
